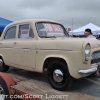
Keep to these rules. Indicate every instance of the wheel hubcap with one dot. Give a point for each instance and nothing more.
(58, 75)
(1, 64)
(2, 94)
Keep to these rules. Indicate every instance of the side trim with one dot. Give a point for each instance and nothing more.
(37, 49)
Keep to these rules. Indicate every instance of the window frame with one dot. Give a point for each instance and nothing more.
(19, 30)
(7, 31)
(66, 33)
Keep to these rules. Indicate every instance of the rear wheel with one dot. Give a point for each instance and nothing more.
(58, 76)
(3, 67)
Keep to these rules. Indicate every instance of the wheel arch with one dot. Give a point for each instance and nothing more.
(52, 58)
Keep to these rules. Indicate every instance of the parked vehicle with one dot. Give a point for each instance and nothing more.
(38, 44)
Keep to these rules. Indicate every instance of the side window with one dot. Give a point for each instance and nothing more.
(11, 33)
(25, 31)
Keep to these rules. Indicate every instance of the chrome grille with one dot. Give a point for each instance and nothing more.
(95, 57)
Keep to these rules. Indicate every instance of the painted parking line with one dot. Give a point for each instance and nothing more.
(93, 81)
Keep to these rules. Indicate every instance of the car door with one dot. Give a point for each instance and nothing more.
(24, 53)
(7, 45)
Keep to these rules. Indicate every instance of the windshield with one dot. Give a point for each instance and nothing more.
(50, 30)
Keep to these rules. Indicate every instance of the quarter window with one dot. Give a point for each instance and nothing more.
(11, 33)
(25, 31)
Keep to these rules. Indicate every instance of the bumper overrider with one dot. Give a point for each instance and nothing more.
(94, 68)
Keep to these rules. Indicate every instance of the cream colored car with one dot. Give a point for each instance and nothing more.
(36, 45)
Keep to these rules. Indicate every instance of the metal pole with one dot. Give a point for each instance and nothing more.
(72, 25)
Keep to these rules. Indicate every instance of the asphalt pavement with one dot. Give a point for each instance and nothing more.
(89, 86)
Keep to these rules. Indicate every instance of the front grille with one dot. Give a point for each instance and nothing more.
(95, 57)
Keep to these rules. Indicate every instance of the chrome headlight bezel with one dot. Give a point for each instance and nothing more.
(87, 52)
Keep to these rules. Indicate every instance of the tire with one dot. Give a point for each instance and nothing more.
(62, 80)
(4, 90)
(3, 67)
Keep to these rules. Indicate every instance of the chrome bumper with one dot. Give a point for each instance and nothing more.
(95, 68)
(88, 71)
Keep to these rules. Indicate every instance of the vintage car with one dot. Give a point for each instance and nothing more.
(37, 44)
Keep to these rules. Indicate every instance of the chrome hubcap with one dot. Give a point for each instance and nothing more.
(2, 94)
(1, 64)
(58, 75)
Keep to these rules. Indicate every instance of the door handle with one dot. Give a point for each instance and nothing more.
(14, 42)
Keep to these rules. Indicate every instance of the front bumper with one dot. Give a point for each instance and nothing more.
(88, 71)
(91, 70)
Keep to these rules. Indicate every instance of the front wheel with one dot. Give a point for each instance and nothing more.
(58, 76)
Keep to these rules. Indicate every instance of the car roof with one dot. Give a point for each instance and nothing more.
(33, 21)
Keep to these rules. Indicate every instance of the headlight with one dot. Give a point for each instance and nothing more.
(87, 52)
